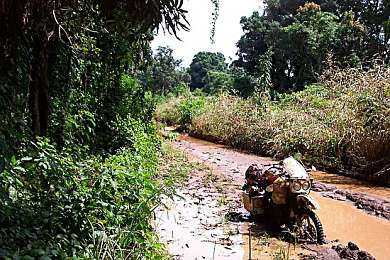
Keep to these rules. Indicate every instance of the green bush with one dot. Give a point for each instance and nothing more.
(63, 204)
(181, 111)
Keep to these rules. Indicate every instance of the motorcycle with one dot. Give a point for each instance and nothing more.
(281, 192)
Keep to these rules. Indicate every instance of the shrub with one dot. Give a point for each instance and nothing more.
(181, 111)
(63, 204)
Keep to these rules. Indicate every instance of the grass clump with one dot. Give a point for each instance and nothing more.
(342, 122)
(174, 168)
(182, 110)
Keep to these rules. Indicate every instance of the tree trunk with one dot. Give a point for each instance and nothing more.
(38, 91)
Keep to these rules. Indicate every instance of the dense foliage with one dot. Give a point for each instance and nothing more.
(202, 63)
(302, 33)
(77, 142)
(69, 204)
(62, 57)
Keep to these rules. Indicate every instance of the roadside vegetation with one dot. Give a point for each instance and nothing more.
(341, 122)
(78, 145)
(71, 202)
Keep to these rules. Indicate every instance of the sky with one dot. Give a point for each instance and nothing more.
(228, 29)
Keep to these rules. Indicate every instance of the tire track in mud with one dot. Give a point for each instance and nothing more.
(196, 226)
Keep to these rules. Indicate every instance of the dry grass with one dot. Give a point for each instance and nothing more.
(342, 122)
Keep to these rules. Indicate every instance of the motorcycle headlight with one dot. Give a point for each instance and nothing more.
(296, 186)
(305, 185)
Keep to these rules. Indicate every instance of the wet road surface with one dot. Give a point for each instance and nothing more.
(196, 227)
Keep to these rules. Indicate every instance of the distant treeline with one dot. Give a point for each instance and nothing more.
(285, 48)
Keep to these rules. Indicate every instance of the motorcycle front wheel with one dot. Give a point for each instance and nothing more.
(310, 228)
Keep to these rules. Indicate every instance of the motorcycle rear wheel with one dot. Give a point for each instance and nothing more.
(310, 228)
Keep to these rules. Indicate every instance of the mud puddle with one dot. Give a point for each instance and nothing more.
(346, 223)
(196, 227)
(192, 232)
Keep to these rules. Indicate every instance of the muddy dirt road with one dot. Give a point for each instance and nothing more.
(201, 225)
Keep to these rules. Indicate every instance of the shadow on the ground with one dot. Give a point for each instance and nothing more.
(261, 226)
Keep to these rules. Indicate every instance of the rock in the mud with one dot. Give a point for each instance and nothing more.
(363, 255)
(338, 248)
(333, 195)
(353, 196)
(351, 252)
(327, 254)
(352, 246)
(322, 187)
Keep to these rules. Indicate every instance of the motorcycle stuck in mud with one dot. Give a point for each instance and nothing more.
(281, 192)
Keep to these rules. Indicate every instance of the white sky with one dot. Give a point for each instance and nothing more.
(228, 29)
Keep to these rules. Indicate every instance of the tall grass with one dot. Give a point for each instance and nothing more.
(342, 122)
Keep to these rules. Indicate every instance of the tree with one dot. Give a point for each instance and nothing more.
(255, 40)
(218, 81)
(373, 15)
(309, 39)
(259, 82)
(349, 48)
(165, 72)
(202, 63)
(300, 39)
(42, 26)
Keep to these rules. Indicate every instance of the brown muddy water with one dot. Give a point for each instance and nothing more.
(195, 226)
(347, 183)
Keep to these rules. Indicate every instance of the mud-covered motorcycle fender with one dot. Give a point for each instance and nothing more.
(305, 201)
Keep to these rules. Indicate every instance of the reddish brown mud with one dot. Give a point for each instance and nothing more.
(196, 227)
